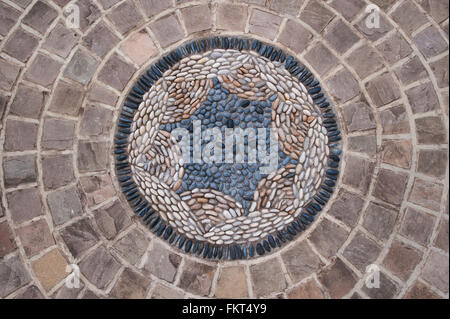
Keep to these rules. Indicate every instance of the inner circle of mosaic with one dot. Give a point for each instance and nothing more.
(227, 148)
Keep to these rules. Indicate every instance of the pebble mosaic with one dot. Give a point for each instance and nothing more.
(231, 204)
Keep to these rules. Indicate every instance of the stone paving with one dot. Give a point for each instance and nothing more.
(61, 91)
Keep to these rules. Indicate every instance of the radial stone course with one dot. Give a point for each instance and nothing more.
(215, 198)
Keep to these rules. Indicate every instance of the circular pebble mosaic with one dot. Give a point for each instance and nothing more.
(227, 148)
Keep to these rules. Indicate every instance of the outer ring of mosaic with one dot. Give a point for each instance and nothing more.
(151, 218)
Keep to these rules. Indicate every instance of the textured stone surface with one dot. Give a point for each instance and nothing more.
(139, 47)
(417, 226)
(20, 136)
(264, 23)
(9, 73)
(152, 7)
(40, 16)
(422, 98)
(388, 288)
(291, 7)
(361, 251)
(64, 204)
(295, 36)
(397, 153)
(432, 163)
(24, 204)
(102, 94)
(430, 42)
(43, 70)
(132, 246)
(440, 69)
(164, 292)
(360, 174)
(61, 40)
(58, 134)
(167, 30)
(337, 279)
(402, 259)
(21, 45)
(81, 67)
(100, 39)
(125, 17)
(3, 101)
(321, 59)
(111, 219)
(50, 269)
(419, 291)
(341, 37)
(343, 86)
(79, 237)
(316, 15)
(7, 242)
(430, 130)
(116, 72)
(441, 240)
(358, 117)
(67, 99)
(92, 156)
(97, 188)
(363, 144)
(435, 271)
(31, 292)
(197, 278)
(403, 13)
(99, 267)
(264, 285)
(35, 237)
(13, 275)
(328, 238)
(164, 264)
(390, 186)
(96, 121)
(306, 290)
(301, 261)
(426, 194)
(197, 18)
(349, 9)
(365, 61)
(231, 283)
(57, 170)
(347, 208)
(9, 16)
(437, 9)
(379, 220)
(383, 90)
(394, 120)
(411, 71)
(19, 170)
(394, 48)
(131, 285)
(29, 102)
(231, 17)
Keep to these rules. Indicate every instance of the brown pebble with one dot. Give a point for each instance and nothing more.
(177, 185)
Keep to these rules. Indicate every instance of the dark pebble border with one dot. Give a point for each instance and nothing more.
(152, 219)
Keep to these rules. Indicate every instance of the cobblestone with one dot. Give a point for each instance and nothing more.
(60, 90)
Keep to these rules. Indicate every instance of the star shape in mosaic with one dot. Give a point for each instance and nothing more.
(223, 110)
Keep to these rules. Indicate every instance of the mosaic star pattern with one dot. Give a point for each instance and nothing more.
(227, 210)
